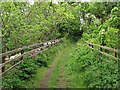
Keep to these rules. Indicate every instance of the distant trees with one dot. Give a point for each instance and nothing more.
(24, 24)
(102, 23)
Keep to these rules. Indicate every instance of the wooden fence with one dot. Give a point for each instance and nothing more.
(102, 49)
(35, 50)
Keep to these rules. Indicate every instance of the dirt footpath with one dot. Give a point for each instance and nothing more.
(45, 81)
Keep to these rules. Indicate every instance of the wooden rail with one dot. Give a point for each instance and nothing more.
(37, 49)
(25, 47)
(116, 51)
(3, 73)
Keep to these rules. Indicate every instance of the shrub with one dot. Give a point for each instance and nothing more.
(41, 61)
(27, 69)
(12, 81)
(97, 72)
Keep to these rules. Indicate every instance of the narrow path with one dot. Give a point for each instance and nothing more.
(61, 81)
(65, 74)
(45, 81)
(60, 74)
(60, 77)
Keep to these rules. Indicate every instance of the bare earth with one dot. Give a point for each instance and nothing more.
(45, 81)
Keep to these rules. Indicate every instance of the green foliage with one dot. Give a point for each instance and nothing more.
(24, 24)
(27, 69)
(105, 31)
(41, 61)
(98, 71)
(12, 81)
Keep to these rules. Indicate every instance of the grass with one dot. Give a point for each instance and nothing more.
(71, 78)
(76, 64)
(54, 78)
(35, 82)
(49, 55)
(74, 78)
(74, 68)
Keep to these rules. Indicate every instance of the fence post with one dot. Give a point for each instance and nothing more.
(89, 44)
(22, 51)
(92, 45)
(47, 43)
(115, 53)
(3, 61)
(55, 42)
(100, 49)
(51, 43)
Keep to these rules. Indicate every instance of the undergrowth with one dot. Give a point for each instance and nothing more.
(97, 71)
(25, 72)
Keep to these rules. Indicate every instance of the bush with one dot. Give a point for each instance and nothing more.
(97, 72)
(27, 69)
(12, 81)
(41, 61)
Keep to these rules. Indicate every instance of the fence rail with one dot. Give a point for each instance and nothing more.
(25, 47)
(116, 51)
(37, 49)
